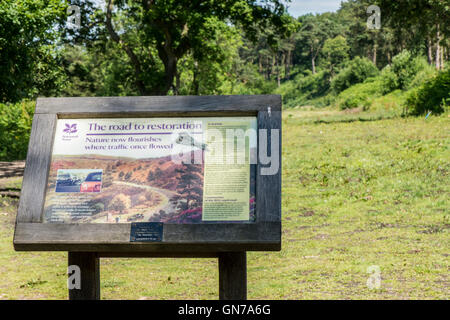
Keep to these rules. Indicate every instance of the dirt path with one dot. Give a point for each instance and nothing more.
(165, 204)
(165, 192)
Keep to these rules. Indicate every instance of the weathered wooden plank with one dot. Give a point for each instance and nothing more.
(36, 168)
(221, 232)
(268, 186)
(164, 250)
(233, 276)
(155, 114)
(158, 255)
(110, 233)
(11, 169)
(89, 264)
(95, 105)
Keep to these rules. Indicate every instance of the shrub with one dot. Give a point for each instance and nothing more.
(392, 103)
(361, 100)
(389, 80)
(107, 181)
(433, 95)
(405, 67)
(357, 71)
(120, 202)
(358, 96)
(15, 128)
(405, 73)
(99, 207)
(303, 89)
(422, 76)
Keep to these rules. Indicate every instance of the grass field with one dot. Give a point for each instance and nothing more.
(357, 192)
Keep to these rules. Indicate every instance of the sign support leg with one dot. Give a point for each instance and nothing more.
(233, 276)
(89, 265)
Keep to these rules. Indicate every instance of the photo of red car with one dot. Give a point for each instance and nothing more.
(92, 183)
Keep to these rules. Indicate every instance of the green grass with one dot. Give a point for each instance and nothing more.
(355, 194)
(11, 183)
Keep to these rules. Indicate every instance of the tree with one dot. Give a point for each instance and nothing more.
(335, 52)
(120, 202)
(314, 32)
(80, 68)
(363, 42)
(150, 176)
(169, 29)
(28, 55)
(189, 187)
(211, 70)
(429, 17)
(158, 173)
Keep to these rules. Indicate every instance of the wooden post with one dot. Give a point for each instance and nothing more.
(89, 265)
(233, 276)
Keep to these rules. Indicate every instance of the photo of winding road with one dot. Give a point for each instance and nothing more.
(133, 190)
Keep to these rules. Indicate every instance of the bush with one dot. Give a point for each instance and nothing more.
(405, 73)
(433, 95)
(357, 71)
(389, 80)
(15, 128)
(361, 100)
(359, 95)
(303, 89)
(99, 207)
(422, 76)
(392, 103)
(406, 67)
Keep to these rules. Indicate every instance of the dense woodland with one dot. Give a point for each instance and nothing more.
(218, 47)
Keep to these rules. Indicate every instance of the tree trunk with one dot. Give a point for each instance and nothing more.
(313, 62)
(374, 54)
(287, 69)
(128, 50)
(438, 48)
(170, 72)
(273, 64)
(279, 70)
(430, 51)
(260, 65)
(195, 85)
(177, 84)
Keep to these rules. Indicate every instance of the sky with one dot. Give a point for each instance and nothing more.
(296, 7)
(301, 7)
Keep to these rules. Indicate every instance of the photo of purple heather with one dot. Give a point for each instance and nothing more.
(132, 190)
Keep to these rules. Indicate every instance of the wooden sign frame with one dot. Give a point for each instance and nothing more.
(113, 240)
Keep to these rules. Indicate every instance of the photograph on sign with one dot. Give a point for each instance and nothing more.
(170, 170)
(79, 180)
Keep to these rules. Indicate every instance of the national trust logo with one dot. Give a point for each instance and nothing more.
(69, 131)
